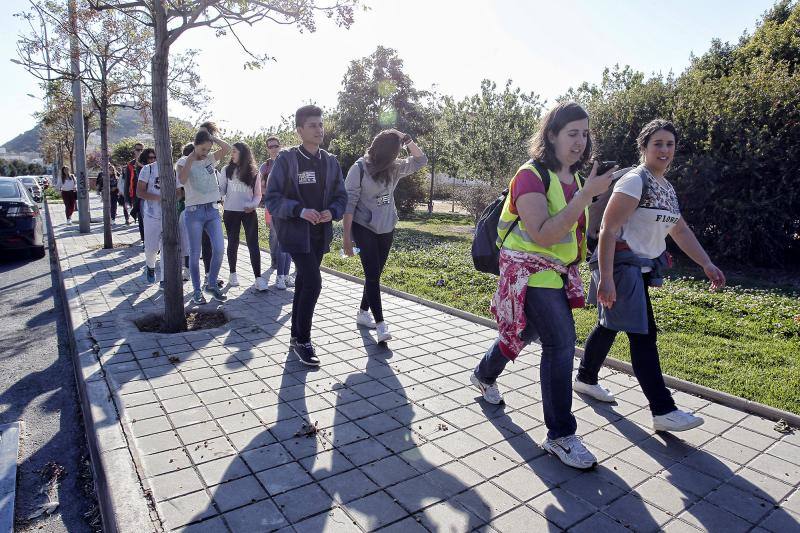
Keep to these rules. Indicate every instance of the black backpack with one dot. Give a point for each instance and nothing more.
(485, 252)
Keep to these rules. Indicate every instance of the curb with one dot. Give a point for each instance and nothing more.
(122, 502)
(707, 393)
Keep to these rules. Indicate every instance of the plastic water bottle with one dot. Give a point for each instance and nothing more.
(356, 249)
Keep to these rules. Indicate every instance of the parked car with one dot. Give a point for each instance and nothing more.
(32, 184)
(21, 225)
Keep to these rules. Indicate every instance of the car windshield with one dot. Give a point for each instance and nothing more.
(8, 190)
(28, 181)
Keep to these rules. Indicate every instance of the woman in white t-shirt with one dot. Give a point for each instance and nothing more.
(641, 225)
(201, 188)
(69, 193)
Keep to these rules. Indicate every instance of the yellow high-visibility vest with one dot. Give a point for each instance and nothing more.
(563, 252)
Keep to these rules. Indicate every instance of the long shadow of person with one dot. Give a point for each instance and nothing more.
(686, 481)
(398, 472)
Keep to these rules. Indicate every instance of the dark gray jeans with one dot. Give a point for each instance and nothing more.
(550, 319)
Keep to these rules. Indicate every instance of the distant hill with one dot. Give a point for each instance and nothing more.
(24, 142)
(126, 123)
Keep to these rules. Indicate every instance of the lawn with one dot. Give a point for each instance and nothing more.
(743, 340)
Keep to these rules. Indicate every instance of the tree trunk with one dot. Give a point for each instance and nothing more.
(104, 167)
(174, 317)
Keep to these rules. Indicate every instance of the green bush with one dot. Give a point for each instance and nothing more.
(411, 191)
(737, 109)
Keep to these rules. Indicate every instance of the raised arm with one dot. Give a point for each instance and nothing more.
(546, 230)
(224, 148)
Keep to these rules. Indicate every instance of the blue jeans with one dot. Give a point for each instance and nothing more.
(550, 318)
(280, 260)
(199, 218)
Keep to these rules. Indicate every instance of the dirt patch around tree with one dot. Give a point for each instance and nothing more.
(195, 321)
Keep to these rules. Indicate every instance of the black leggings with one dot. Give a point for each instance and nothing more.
(374, 252)
(234, 220)
(307, 286)
(644, 358)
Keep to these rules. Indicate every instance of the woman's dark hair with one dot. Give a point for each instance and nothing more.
(246, 168)
(541, 149)
(112, 171)
(144, 157)
(202, 137)
(381, 155)
(65, 173)
(304, 113)
(212, 127)
(188, 148)
(650, 128)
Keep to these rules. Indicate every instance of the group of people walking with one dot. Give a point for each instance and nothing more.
(542, 237)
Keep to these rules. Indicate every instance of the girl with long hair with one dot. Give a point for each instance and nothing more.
(69, 192)
(371, 215)
(241, 191)
(199, 178)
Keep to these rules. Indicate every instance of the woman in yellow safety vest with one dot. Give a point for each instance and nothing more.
(542, 233)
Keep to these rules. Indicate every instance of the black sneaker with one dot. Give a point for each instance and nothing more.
(215, 293)
(292, 342)
(306, 354)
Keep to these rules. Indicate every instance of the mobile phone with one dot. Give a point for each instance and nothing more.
(605, 166)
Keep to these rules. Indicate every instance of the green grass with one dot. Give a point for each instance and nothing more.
(52, 195)
(743, 340)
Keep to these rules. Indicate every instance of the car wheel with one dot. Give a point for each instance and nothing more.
(38, 253)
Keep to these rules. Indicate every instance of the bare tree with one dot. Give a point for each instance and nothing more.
(114, 61)
(169, 19)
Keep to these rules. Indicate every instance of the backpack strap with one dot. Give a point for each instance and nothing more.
(544, 175)
(361, 170)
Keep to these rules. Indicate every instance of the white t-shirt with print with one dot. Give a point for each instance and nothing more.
(646, 230)
(149, 175)
(202, 186)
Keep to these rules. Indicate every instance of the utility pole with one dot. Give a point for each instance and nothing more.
(80, 146)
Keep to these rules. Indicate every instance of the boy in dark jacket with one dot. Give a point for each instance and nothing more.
(305, 194)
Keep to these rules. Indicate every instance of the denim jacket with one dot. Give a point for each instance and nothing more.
(284, 202)
(629, 312)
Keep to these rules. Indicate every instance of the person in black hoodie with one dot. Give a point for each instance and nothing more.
(305, 194)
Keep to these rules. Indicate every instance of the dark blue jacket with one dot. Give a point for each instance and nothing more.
(629, 312)
(284, 202)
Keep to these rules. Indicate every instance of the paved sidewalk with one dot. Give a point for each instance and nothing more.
(396, 439)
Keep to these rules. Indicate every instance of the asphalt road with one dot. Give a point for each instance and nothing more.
(37, 386)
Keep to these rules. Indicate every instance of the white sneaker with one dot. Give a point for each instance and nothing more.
(261, 284)
(364, 318)
(383, 332)
(677, 420)
(490, 392)
(186, 275)
(69, 221)
(280, 283)
(290, 279)
(233, 281)
(595, 391)
(571, 451)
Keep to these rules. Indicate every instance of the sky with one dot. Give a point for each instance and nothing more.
(543, 46)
